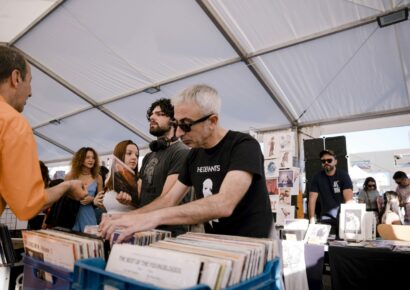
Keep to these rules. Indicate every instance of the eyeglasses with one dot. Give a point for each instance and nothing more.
(371, 186)
(330, 160)
(186, 125)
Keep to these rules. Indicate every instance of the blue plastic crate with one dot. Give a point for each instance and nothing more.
(33, 269)
(89, 274)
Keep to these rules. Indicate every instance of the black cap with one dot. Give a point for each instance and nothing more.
(327, 151)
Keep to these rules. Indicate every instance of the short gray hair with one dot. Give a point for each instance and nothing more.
(204, 96)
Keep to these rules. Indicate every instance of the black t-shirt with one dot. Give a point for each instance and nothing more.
(330, 190)
(205, 169)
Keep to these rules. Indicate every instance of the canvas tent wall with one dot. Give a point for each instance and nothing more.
(277, 64)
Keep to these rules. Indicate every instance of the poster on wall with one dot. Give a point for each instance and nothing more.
(284, 212)
(286, 141)
(274, 200)
(270, 145)
(285, 178)
(271, 168)
(284, 196)
(272, 186)
(289, 178)
(285, 159)
(296, 181)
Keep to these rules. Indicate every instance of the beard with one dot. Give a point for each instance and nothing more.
(328, 168)
(157, 131)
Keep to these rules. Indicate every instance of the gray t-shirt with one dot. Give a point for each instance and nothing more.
(156, 166)
(370, 198)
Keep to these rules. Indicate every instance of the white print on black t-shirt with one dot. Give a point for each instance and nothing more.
(336, 187)
(207, 191)
(150, 168)
(213, 168)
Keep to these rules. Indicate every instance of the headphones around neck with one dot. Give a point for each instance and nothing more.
(164, 142)
(161, 143)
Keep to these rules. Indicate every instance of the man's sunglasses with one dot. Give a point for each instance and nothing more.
(186, 125)
(326, 160)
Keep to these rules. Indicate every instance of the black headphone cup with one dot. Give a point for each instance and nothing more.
(158, 145)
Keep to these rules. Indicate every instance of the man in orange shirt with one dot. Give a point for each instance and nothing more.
(21, 184)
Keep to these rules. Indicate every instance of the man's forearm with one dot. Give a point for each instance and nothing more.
(195, 212)
(56, 192)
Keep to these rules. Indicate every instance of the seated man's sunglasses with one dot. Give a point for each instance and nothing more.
(186, 125)
(326, 160)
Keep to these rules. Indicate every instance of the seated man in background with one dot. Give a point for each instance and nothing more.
(21, 183)
(224, 167)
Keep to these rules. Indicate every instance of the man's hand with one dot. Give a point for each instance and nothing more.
(312, 220)
(129, 223)
(77, 190)
(124, 198)
(87, 200)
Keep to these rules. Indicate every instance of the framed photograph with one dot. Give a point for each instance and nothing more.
(285, 178)
(351, 222)
(317, 234)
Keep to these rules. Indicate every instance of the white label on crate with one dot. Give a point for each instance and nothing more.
(108, 287)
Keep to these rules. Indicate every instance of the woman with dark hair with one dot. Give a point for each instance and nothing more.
(85, 167)
(127, 152)
(369, 194)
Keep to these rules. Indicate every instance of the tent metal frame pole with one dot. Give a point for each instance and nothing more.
(61, 146)
(86, 98)
(219, 24)
(35, 22)
(315, 36)
(361, 117)
(174, 79)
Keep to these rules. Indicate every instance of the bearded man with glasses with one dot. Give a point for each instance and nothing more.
(224, 167)
(333, 186)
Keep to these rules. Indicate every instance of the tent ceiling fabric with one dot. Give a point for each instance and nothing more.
(276, 64)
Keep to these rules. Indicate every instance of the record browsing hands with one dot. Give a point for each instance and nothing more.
(129, 223)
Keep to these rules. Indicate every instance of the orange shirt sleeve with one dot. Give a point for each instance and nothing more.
(21, 184)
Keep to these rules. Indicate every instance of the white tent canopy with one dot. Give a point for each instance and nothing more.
(277, 64)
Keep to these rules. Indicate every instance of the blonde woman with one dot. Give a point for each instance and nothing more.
(85, 167)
